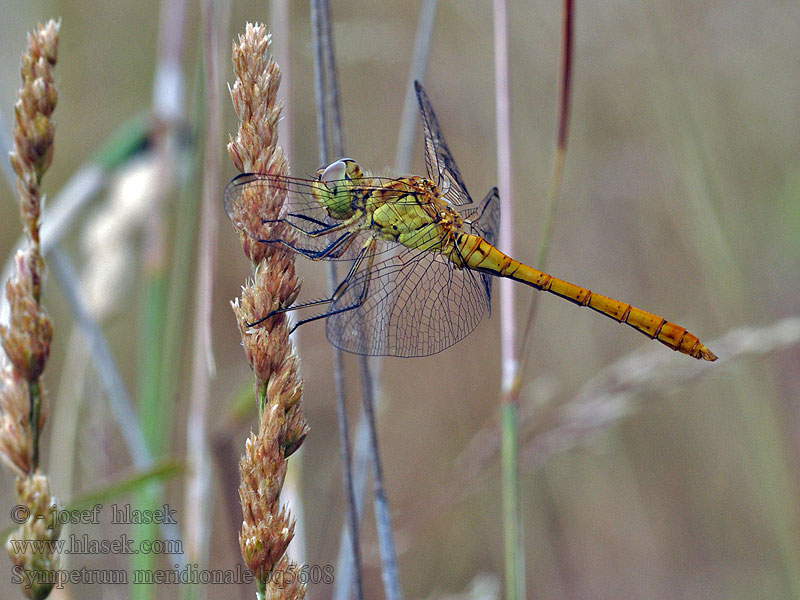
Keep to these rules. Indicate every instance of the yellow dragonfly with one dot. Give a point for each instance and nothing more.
(421, 254)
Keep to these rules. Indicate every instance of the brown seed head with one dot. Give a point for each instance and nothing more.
(267, 527)
(284, 581)
(26, 340)
(34, 129)
(15, 435)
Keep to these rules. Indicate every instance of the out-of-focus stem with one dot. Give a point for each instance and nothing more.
(36, 407)
(322, 81)
(416, 72)
(512, 526)
(559, 158)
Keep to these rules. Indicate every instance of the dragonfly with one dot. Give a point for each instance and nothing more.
(421, 254)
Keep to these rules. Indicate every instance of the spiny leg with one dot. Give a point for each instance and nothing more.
(368, 251)
(322, 224)
(325, 228)
(333, 250)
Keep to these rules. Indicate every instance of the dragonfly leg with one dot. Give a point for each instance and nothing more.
(322, 230)
(367, 250)
(332, 250)
(325, 228)
(330, 313)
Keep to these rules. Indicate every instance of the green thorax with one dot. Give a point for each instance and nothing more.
(408, 210)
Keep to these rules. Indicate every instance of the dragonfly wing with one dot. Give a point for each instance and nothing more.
(256, 203)
(441, 167)
(485, 222)
(485, 219)
(416, 303)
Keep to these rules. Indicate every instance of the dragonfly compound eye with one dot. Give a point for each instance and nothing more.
(334, 171)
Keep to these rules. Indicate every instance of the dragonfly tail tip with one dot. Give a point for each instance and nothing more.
(707, 354)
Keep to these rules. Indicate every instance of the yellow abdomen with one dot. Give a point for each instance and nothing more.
(480, 255)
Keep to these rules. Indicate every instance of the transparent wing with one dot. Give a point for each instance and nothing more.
(485, 222)
(484, 219)
(416, 304)
(276, 209)
(441, 167)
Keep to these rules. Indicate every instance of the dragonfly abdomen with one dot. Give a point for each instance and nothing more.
(480, 255)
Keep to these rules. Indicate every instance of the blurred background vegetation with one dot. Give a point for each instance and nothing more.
(681, 195)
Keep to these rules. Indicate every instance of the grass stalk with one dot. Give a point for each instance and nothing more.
(416, 72)
(331, 129)
(408, 125)
(151, 318)
(197, 501)
(184, 255)
(511, 514)
(27, 338)
(515, 364)
(556, 179)
(267, 527)
(167, 107)
(383, 524)
(325, 121)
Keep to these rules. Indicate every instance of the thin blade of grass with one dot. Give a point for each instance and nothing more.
(319, 13)
(416, 72)
(408, 124)
(198, 486)
(152, 302)
(331, 113)
(557, 177)
(159, 471)
(167, 110)
(514, 365)
(119, 400)
(512, 525)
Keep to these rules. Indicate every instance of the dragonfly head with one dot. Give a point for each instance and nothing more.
(335, 185)
(344, 169)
